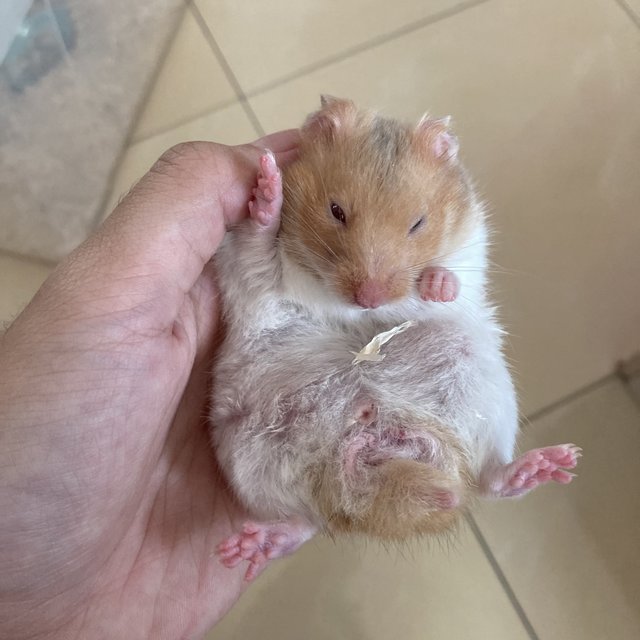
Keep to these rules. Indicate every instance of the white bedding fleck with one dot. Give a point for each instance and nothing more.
(371, 351)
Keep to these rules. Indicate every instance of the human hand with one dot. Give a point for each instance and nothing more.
(111, 501)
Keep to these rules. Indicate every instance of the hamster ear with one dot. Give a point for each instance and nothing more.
(435, 132)
(326, 100)
(334, 115)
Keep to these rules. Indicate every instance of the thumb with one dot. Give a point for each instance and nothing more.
(153, 247)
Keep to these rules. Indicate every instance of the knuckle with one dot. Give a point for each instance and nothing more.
(184, 156)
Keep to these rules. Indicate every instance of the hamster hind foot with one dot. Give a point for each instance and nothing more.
(266, 203)
(533, 468)
(260, 542)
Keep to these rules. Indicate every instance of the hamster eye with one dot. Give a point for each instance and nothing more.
(416, 226)
(338, 213)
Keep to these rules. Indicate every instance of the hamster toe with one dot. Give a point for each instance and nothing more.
(258, 543)
(437, 284)
(535, 468)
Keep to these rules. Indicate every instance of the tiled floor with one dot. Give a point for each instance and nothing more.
(363, 592)
(544, 95)
(571, 554)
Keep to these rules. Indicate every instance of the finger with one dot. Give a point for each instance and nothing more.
(154, 246)
(170, 224)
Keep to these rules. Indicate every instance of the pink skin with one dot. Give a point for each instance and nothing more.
(371, 294)
(369, 449)
(438, 284)
(534, 468)
(258, 543)
(356, 450)
(266, 203)
(366, 411)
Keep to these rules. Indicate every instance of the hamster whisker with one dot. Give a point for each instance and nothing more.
(454, 251)
(304, 254)
(460, 308)
(435, 260)
(470, 301)
(471, 268)
(509, 270)
(315, 234)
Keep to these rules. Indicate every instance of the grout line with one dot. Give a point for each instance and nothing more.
(368, 44)
(633, 396)
(144, 99)
(243, 97)
(629, 368)
(179, 123)
(570, 397)
(24, 257)
(634, 17)
(502, 579)
(228, 71)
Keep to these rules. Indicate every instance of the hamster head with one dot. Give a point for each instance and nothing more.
(371, 202)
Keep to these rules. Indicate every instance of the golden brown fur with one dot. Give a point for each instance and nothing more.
(400, 497)
(311, 439)
(385, 176)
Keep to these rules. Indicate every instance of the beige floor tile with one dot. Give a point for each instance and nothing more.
(634, 5)
(571, 553)
(264, 41)
(19, 280)
(545, 99)
(634, 388)
(229, 125)
(190, 83)
(630, 374)
(361, 592)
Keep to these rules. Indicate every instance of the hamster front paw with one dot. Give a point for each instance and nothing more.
(265, 205)
(438, 284)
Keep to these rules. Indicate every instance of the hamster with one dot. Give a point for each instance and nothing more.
(375, 228)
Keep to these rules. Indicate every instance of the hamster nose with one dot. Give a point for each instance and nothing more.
(371, 294)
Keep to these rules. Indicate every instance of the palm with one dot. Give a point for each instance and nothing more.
(176, 509)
